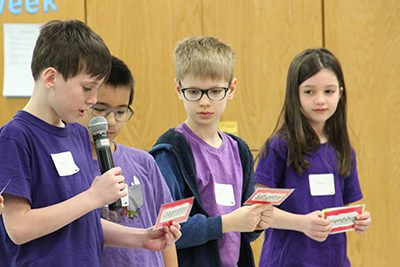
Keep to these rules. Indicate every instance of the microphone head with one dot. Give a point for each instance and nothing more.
(98, 125)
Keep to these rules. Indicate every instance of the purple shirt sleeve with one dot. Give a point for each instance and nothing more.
(13, 166)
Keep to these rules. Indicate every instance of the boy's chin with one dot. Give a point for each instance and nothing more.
(111, 137)
(71, 120)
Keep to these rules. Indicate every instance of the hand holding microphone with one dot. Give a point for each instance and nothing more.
(98, 127)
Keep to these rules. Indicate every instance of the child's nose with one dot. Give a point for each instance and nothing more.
(111, 118)
(320, 99)
(92, 99)
(204, 100)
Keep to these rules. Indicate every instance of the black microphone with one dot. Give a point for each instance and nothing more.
(98, 127)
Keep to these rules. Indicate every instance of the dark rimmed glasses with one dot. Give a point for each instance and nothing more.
(121, 114)
(195, 94)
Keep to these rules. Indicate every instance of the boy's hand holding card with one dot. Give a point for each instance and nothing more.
(177, 211)
(343, 218)
(274, 196)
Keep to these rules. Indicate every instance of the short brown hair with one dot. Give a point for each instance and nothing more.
(71, 47)
(204, 57)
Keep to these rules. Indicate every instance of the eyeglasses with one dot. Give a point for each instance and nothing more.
(195, 94)
(121, 113)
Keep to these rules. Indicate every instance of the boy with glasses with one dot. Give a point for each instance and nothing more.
(147, 189)
(214, 167)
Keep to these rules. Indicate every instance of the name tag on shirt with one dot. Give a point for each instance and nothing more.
(224, 195)
(64, 163)
(322, 184)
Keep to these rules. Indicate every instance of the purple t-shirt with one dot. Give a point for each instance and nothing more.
(219, 181)
(291, 248)
(147, 192)
(26, 145)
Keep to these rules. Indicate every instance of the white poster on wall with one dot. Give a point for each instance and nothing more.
(19, 41)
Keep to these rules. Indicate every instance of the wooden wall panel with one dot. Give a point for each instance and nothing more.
(265, 35)
(365, 35)
(72, 9)
(144, 34)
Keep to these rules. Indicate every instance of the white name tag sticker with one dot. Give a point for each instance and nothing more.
(224, 195)
(322, 184)
(177, 211)
(64, 163)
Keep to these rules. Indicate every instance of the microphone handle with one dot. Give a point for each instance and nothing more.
(104, 157)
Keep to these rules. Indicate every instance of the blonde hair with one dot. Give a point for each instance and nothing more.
(204, 57)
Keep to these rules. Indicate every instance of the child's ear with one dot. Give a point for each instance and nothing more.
(341, 91)
(232, 88)
(49, 77)
(178, 88)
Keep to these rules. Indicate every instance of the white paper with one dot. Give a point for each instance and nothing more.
(322, 184)
(64, 163)
(19, 41)
(125, 199)
(224, 195)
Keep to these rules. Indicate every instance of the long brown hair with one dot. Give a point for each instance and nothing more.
(294, 127)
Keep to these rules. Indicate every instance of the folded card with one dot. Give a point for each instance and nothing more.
(177, 211)
(274, 196)
(343, 218)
